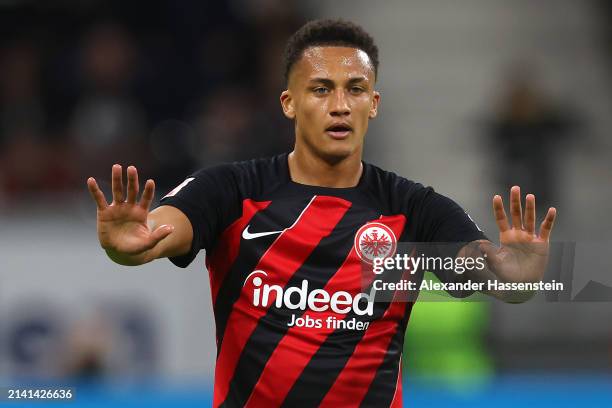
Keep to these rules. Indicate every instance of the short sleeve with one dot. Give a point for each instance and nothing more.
(209, 199)
(442, 220)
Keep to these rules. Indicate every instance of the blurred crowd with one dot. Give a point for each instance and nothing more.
(168, 87)
(528, 135)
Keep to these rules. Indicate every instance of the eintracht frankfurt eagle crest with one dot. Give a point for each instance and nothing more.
(375, 240)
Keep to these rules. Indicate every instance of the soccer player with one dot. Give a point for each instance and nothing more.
(285, 238)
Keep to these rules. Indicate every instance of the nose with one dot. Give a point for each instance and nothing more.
(340, 105)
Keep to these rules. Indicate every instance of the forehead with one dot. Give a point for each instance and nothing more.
(331, 61)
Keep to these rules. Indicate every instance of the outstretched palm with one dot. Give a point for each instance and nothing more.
(523, 254)
(122, 225)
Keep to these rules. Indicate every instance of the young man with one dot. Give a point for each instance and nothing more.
(284, 239)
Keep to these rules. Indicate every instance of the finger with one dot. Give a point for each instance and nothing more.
(530, 213)
(96, 193)
(117, 184)
(160, 233)
(500, 214)
(132, 184)
(147, 194)
(515, 207)
(548, 223)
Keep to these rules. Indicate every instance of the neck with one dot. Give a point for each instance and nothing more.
(313, 170)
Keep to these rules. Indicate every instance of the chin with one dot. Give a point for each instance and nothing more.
(332, 151)
(335, 154)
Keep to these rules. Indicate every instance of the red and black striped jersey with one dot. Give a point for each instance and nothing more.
(294, 326)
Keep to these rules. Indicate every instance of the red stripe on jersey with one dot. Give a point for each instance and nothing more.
(286, 254)
(397, 396)
(299, 344)
(223, 256)
(352, 384)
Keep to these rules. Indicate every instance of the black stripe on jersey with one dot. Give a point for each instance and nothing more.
(329, 360)
(381, 390)
(318, 270)
(249, 256)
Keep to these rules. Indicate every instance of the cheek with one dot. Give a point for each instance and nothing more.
(321, 107)
(363, 113)
(313, 111)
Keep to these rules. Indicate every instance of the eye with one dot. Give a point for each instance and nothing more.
(356, 90)
(320, 90)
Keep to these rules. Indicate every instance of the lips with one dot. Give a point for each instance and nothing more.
(339, 131)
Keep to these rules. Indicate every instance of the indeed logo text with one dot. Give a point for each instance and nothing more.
(301, 298)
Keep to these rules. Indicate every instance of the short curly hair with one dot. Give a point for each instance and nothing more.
(335, 32)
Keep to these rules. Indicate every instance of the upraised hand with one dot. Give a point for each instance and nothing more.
(523, 254)
(122, 226)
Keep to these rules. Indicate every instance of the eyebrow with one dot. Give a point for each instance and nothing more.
(328, 82)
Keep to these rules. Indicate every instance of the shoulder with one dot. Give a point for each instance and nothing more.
(248, 176)
(398, 192)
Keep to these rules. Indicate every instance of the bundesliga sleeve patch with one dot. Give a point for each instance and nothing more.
(179, 187)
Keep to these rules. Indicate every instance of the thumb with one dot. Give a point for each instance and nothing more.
(490, 252)
(160, 233)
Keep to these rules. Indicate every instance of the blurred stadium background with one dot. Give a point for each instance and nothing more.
(476, 95)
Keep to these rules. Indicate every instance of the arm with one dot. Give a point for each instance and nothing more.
(128, 232)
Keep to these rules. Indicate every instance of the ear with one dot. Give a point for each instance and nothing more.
(287, 104)
(374, 106)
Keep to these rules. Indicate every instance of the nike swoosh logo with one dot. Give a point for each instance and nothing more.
(247, 235)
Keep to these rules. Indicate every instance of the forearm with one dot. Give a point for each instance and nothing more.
(176, 244)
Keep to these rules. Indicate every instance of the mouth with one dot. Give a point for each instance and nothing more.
(339, 131)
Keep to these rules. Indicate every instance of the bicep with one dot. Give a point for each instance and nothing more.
(179, 242)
